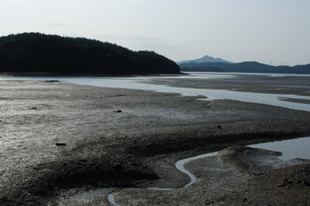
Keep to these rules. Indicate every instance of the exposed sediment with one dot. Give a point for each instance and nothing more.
(136, 147)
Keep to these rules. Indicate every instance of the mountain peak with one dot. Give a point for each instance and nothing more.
(206, 58)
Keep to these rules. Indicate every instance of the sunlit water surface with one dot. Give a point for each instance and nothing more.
(295, 148)
(290, 148)
(210, 94)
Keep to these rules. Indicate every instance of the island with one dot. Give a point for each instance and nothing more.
(56, 55)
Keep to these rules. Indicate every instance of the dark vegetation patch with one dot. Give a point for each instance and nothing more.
(52, 54)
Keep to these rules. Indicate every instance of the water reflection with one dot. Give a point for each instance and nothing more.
(291, 149)
(135, 83)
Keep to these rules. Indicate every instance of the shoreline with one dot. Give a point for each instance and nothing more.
(131, 148)
(46, 74)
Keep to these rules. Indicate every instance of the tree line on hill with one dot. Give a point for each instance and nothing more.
(36, 52)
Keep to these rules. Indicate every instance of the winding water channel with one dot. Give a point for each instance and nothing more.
(290, 149)
(297, 148)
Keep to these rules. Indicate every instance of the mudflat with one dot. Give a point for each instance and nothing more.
(67, 144)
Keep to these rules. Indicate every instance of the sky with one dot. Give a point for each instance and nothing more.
(268, 31)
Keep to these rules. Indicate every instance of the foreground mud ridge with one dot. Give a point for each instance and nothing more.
(59, 140)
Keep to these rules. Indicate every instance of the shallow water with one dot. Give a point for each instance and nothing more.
(111, 200)
(293, 148)
(290, 148)
(180, 166)
(296, 148)
(210, 94)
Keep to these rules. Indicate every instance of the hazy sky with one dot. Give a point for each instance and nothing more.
(268, 31)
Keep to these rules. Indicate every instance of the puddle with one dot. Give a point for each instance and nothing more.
(291, 149)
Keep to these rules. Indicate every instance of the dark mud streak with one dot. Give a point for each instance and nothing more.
(303, 101)
(211, 144)
(121, 167)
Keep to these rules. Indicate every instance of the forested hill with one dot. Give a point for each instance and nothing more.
(35, 52)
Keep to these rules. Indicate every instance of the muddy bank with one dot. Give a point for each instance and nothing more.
(237, 176)
(58, 137)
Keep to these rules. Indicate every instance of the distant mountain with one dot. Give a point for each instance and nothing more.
(249, 67)
(205, 59)
(35, 52)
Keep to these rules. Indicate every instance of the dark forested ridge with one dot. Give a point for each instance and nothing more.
(35, 52)
(249, 67)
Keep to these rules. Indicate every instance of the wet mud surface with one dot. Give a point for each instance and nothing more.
(263, 83)
(65, 144)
